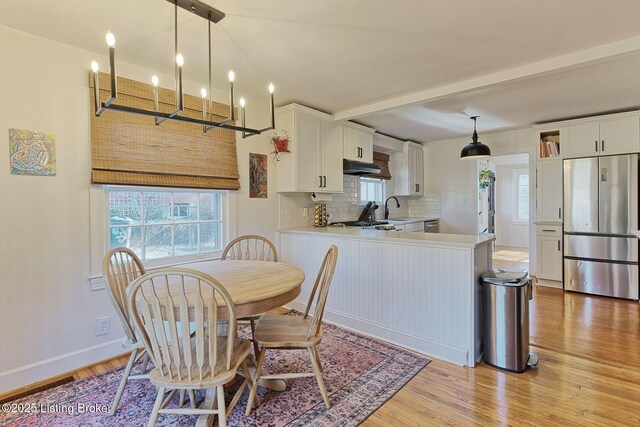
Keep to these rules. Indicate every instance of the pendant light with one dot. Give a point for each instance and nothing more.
(475, 149)
(211, 15)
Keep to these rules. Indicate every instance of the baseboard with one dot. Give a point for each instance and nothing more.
(549, 283)
(393, 336)
(13, 379)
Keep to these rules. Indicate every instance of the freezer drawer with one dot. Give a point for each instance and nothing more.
(601, 247)
(601, 278)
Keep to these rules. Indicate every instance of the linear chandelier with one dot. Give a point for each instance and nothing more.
(207, 122)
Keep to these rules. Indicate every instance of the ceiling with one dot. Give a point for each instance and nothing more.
(342, 56)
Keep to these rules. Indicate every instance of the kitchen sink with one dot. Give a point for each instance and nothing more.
(400, 219)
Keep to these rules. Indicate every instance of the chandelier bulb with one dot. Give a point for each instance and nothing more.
(271, 88)
(242, 102)
(232, 76)
(111, 39)
(179, 60)
(155, 81)
(203, 92)
(94, 66)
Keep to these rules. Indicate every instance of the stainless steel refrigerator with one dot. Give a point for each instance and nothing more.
(600, 213)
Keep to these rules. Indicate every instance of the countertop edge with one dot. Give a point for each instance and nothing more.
(396, 237)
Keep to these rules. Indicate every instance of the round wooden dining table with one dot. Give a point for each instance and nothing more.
(255, 288)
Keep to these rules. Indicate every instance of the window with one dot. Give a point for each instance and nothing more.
(522, 194)
(371, 189)
(157, 223)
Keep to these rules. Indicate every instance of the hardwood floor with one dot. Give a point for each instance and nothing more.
(588, 375)
(511, 257)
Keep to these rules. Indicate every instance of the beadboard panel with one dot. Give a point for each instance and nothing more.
(417, 296)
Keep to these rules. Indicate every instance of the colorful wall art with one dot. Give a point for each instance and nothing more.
(32, 153)
(257, 176)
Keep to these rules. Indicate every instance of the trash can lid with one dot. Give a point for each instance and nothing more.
(506, 277)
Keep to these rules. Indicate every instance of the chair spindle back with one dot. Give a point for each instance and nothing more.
(164, 303)
(321, 286)
(121, 266)
(250, 247)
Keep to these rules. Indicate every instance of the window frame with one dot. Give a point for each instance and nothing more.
(173, 260)
(517, 173)
(379, 181)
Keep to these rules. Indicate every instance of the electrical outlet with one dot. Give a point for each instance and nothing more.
(103, 325)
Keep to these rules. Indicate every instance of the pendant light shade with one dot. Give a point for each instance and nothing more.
(475, 149)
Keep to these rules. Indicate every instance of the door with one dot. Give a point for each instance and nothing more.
(549, 255)
(332, 157)
(581, 195)
(584, 140)
(309, 137)
(620, 136)
(350, 138)
(549, 191)
(365, 143)
(618, 194)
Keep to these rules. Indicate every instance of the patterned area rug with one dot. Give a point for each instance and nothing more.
(360, 374)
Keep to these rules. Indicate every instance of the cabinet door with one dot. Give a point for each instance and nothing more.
(549, 251)
(350, 138)
(309, 138)
(620, 136)
(549, 190)
(332, 157)
(415, 227)
(365, 143)
(584, 140)
(416, 171)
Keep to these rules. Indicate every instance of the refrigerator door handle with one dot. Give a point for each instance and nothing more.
(603, 174)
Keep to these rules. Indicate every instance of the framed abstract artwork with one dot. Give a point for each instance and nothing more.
(257, 176)
(32, 153)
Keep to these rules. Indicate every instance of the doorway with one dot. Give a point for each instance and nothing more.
(503, 201)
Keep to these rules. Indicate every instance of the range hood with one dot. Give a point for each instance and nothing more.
(353, 167)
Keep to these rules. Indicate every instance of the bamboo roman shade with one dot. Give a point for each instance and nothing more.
(128, 149)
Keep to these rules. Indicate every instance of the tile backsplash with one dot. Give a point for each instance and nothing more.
(346, 206)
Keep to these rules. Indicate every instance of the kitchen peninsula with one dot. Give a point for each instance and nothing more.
(418, 290)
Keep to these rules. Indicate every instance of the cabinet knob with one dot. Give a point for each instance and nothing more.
(596, 146)
(558, 244)
(602, 146)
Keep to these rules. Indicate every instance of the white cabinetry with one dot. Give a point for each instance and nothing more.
(549, 254)
(605, 136)
(315, 162)
(358, 143)
(549, 190)
(414, 226)
(408, 170)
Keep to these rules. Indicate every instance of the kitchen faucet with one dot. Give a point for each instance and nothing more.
(386, 207)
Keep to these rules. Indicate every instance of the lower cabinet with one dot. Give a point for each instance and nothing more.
(549, 255)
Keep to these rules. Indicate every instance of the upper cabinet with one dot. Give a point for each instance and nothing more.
(315, 162)
(408, 170)
(358, 143)
(604, 136)
(549, 190)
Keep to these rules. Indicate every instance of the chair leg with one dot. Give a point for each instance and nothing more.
(256, 377)
(145, 362)
(316, 369)
(123, 382)
(247, 375)
(222, 408)
(319, 361)
(181, 401)
(192, 398)
(156, 407)
(253, 337)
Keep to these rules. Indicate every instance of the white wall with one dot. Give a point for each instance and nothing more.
(47, 309)
(455, 180)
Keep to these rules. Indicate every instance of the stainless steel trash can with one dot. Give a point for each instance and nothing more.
(506, 320)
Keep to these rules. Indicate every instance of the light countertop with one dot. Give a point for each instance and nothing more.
(428, 239)
(407, 220)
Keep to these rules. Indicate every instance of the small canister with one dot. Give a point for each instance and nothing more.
(320, 214)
